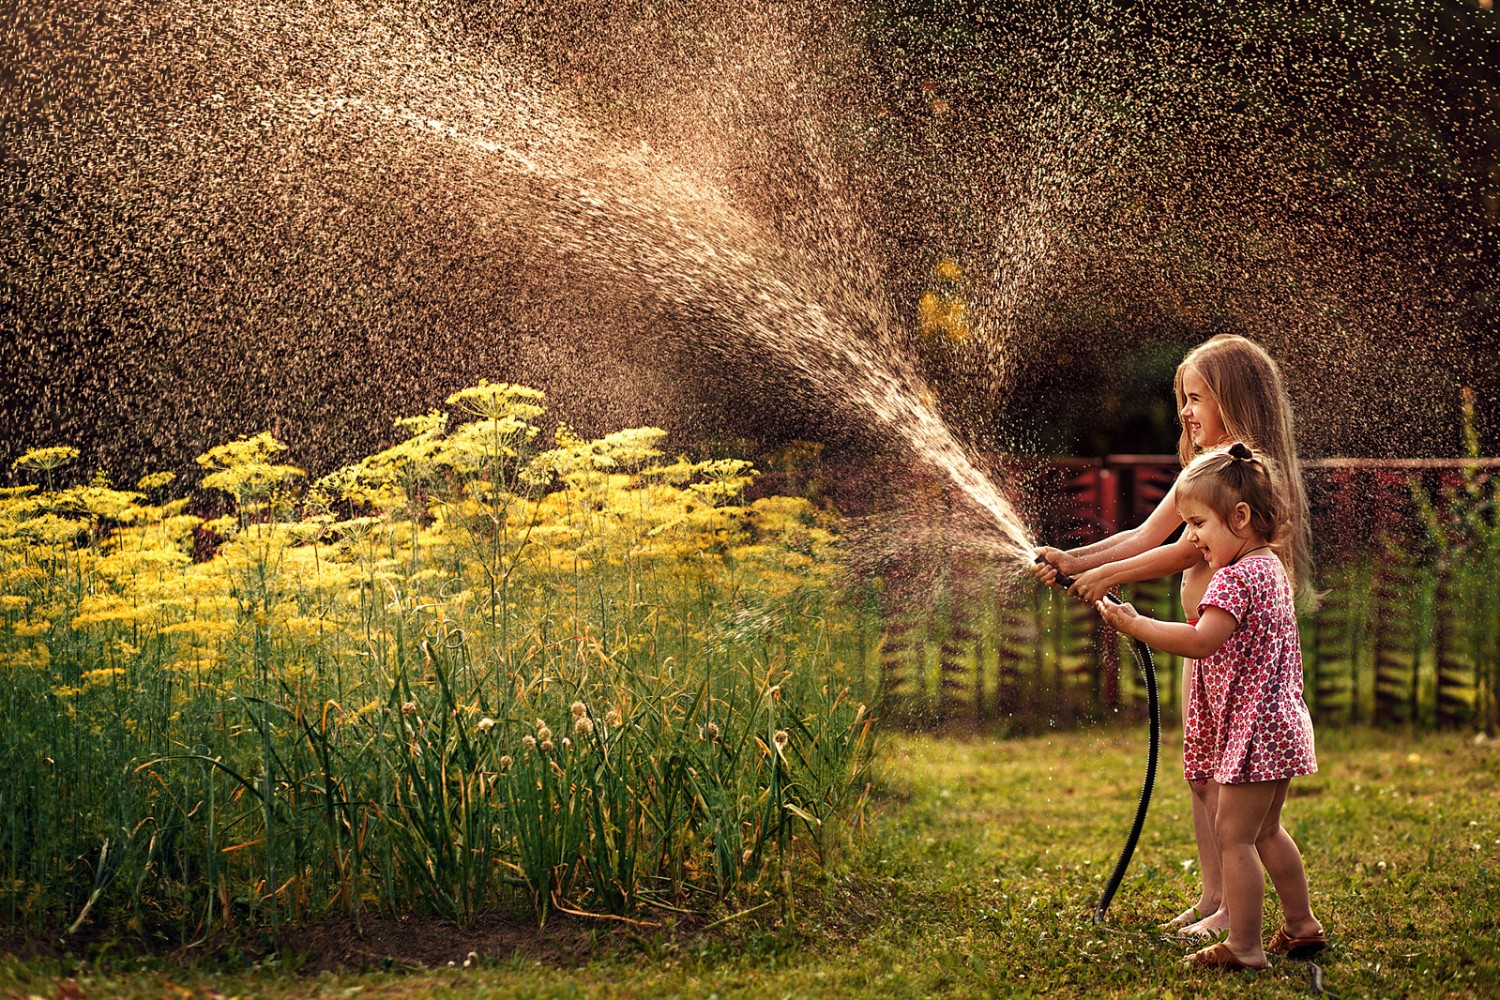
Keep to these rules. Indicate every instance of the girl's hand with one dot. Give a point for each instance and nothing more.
(1120, 617)
(1045, 571)
(1092, 584)
(1056, 561)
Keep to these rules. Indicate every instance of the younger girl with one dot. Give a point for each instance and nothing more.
(1247, 727)
(1228, 389)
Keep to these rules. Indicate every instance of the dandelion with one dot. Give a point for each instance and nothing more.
(583, 726)
(529, 742)
(579, 709)
(485, 724)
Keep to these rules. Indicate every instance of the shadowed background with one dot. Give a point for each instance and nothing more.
(224, 218)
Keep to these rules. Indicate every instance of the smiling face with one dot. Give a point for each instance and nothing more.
(1200, 411)
(1216, 539)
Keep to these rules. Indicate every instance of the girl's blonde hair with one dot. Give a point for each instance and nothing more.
(1246, 386)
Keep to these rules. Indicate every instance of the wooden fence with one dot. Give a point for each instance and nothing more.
(1408, 630)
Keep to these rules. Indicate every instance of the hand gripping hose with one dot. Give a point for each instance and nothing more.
(1153, 705)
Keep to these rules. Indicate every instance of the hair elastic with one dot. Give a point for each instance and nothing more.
(1241, 451)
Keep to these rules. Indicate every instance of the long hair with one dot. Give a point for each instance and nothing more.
(1246, 385)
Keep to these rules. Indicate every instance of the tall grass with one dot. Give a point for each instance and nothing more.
(464, 671)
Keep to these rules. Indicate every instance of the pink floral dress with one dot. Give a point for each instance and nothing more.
(1246, 720)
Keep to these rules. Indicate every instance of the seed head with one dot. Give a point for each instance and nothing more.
(409, 708)
(612, 717)
(780, 739)
(713, 732)
(529, 742)
(485, 724)
(547, 744)
(579, 709)
(583, 726)
(505, 762)
(543, 733)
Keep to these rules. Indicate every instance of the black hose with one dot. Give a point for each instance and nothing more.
(1153, 707)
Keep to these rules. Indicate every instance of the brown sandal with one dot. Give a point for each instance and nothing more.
(1282, 943)
(1218, 957)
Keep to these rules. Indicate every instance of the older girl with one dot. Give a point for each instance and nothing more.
(1228, 389)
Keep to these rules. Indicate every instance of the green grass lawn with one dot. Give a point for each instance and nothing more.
(976, 875)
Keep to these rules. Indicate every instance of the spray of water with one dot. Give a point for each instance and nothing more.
(221, 217)
(533, 174)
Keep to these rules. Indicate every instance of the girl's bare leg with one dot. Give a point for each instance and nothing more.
(1213, 915)
(1245, 811)
(1207, 915)
(1283, 862)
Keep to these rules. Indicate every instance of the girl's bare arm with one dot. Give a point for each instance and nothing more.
(1153, 564)
(1149, 534)
(1179, 638)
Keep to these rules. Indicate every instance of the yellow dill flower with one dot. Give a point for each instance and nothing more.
(155, 480)
(45, 459)
(23, 575)
(30, 629)
(37, 656)
(243, 466)
(13, 602)
(104, 675)
(948, 269)
(496, 401)
(50, 529)
(207, 629)
(226, 526)
(310, 627)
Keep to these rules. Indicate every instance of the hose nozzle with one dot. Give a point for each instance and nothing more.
(1063, 580)
(1066, 582)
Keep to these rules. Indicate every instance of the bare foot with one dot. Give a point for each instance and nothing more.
(1213, 925)
(1191, 915)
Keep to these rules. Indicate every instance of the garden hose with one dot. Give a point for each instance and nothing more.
(1153, 705)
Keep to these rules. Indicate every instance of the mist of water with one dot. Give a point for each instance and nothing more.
(239, 215)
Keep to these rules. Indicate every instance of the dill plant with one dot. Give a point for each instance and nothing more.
(467, 671)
